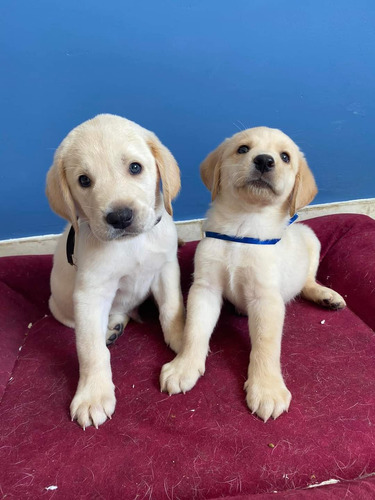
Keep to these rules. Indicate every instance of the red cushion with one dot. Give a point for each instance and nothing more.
(204, 444)
(348, 260)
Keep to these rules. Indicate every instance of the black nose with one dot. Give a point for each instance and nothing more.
(264, 163)
(121, 218)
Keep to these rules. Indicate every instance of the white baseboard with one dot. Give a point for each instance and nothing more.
(188, 230)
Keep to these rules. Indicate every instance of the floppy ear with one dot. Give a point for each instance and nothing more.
(305, 189)
(57, 189)
(168, 171)
(211, 170)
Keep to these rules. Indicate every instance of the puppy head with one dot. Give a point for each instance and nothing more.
(262, 166)
(107, 172)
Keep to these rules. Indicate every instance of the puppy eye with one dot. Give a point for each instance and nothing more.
(135, 168)
(84, 181)
(285, 157)
(243, 149)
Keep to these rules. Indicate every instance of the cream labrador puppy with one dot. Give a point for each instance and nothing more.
(253, 256)
(105, 180)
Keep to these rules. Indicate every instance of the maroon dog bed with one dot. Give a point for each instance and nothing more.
(204, 444)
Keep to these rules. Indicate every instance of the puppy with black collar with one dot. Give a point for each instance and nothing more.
(120, 248)
(254, 255)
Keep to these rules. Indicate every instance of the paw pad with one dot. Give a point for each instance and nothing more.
(119, 328)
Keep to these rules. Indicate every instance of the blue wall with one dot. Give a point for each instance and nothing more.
(194, 72)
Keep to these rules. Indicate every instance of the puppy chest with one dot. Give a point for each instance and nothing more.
(239, 281)
(247, 277)
(133, 289)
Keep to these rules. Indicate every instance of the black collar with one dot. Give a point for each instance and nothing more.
(70, 245)
(71, 241)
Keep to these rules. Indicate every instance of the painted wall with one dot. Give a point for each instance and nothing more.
(194, 72)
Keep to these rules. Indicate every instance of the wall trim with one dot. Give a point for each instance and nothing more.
(188, 230)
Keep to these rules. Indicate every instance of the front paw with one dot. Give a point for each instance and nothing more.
(267, 396)
(93, 402)
(180, 375)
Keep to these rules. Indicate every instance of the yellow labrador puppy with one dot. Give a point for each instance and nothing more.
(121, 246)
(253, 256)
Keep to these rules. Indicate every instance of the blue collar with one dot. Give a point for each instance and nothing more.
(249, 241)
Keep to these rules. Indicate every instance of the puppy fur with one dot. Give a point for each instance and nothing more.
(119, 260)
(248, 200)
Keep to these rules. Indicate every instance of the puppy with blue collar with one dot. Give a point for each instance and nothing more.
(255, 256)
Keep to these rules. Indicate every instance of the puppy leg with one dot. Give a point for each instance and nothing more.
(326, 297)
(203, 309)
(94, 400)
(312, 290)
(166, 290)
(267, 394)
